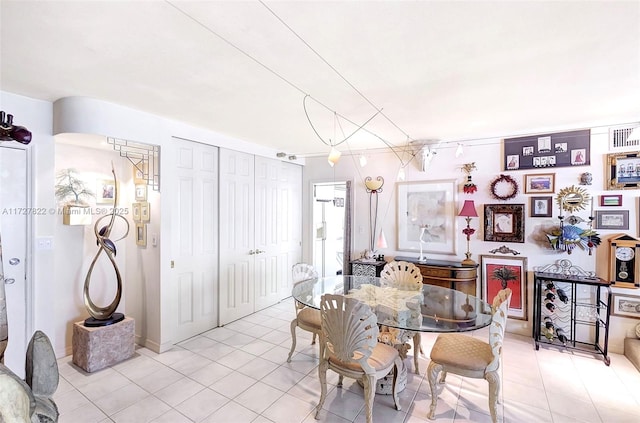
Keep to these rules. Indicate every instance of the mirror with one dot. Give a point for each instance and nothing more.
(573, 199)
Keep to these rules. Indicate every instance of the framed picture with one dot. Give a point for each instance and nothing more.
(614, 219)
(105, 191)
(139, 172)
(510, 272)
(623, 170)
(562, 149)
(541, 206)
(145, 212)
(504, 222)
(141, 192)
(430, 205)
(610, 200)
(135, 210)
(626, 305)
(539, 183)
(141, 234)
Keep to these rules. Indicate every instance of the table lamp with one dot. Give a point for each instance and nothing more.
(468, 211)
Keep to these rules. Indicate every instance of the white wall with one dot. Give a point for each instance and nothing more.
(487, 154)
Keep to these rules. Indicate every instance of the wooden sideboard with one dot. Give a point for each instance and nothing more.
(448, 274)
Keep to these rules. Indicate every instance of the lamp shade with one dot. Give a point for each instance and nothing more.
(382, 241)
(468, 209)
(334, 156)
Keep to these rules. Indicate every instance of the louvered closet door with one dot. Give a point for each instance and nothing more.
(237, 235)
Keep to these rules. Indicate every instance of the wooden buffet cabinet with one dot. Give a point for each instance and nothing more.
(449, 274)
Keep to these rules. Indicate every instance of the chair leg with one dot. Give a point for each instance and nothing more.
(313, 340)
(369, 382)
(322, 375)
(417, 347)
(432, 373)
(294, 324)
(396, 378)
(340, 379)
(494, 387)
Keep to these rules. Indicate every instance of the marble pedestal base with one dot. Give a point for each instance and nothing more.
(95, 348)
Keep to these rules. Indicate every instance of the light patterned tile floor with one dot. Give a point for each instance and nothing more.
(239, 374)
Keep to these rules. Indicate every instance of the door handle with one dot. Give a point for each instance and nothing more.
(14, 261)
(251, 252)
(260, 251)
(9, 281)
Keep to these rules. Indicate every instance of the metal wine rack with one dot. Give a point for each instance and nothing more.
(584, 318)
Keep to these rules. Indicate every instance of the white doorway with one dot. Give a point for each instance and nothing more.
(329, 199)
(14, 230)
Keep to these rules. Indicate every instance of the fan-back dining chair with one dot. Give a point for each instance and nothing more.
(349, 346)
(307, 318)
(407, 276)
(471, 357)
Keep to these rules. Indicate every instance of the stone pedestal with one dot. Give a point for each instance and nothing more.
(95, 348)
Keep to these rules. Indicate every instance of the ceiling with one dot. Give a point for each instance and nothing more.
(450, 71)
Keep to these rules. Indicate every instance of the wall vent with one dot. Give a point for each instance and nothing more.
(619, 138)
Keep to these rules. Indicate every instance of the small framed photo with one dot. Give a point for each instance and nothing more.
(508, 272)
(141, 234)
(141, 192)
(623, 170)
(626, 305)
(139, 172)
(618, 219)
(541, 206)
(504, 222)
(539, 183)
(106, 191)
(610, 200)
(135, 207)
(145, 212)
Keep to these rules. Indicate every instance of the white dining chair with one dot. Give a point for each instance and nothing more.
(307, 318)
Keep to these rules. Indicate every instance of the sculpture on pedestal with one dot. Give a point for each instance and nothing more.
(103, 316)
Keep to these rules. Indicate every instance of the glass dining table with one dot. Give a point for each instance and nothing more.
(430, 309)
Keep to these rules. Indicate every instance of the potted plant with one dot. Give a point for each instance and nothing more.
(72, 191)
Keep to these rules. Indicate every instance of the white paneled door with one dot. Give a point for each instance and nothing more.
(195, 238)
(260, 233)
(14, 227)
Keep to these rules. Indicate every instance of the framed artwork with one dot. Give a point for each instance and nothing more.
(561, 149)
(610, 200)
(105, 191)
(145, 212)
(626, 305)
(141, 192)
(141, 234)
(430, 205)
(498, 271)
(139, 172)
(541, 206)
(614, 219)
(539, 183)
(135, 210)
(504, 222)
(623, 170)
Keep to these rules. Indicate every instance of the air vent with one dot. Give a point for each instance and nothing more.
(619, 138)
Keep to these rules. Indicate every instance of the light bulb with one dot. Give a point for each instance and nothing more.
(459, 150)
(334, 156)
(401, 174)
(363, 160)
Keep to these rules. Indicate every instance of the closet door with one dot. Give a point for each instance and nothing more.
(237, 240)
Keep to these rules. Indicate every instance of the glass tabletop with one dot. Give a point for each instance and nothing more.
(431, 309)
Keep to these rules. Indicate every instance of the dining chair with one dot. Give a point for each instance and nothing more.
(471, 357)
(307, 318)
(407, 276)
(349, 346)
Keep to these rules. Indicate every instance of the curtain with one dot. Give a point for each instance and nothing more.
(346, 247)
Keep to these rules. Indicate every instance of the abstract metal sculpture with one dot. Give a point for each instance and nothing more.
(103, 316)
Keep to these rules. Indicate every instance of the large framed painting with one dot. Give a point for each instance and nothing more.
(562, 149)
(428, 205)
(510, 272)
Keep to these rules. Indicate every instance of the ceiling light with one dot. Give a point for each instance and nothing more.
(459, 150)
(334, 156)
(363, 160)
(401, 174)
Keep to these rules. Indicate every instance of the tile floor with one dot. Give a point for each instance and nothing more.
(238, 373)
